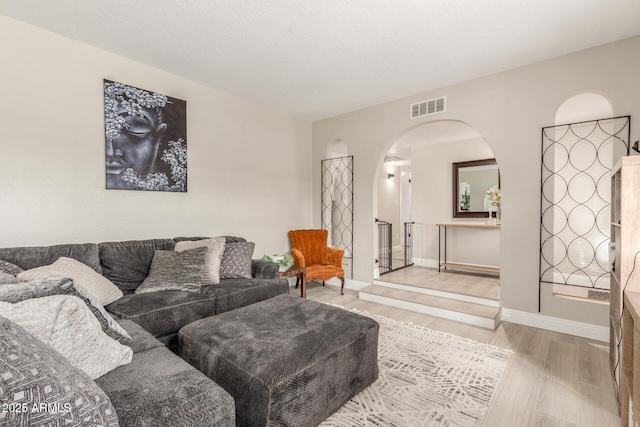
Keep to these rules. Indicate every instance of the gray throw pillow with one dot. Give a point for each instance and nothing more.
(40, 387)
(175, 271)
(55, 285)
(7, 279)
(236, 261)
(215, 249)
(9, 268)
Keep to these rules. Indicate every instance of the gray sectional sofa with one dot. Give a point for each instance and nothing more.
(158, 387)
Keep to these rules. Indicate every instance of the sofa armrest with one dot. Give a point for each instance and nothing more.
(263, 269)
(334, 256)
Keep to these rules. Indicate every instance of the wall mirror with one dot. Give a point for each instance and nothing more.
(471, 180)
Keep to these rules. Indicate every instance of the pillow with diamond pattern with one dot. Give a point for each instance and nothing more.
(236, 261)
(33, 374)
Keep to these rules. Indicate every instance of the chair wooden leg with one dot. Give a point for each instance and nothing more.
(323, 283)
(342, 287)
(297, 282)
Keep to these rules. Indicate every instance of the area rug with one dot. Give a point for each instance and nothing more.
(427, 378)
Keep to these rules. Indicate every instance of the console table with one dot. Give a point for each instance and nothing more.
(442, 235)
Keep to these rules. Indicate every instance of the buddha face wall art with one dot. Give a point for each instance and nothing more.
(146, 139)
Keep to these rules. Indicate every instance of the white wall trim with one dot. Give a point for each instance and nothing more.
(571, 327)
(422, 262)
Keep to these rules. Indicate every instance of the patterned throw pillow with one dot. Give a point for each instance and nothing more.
(66, 324)
(42, 388)
(96, 284)
(9, 268)
(55, 285)
(175, 271)
(215, 249)
(236, 261)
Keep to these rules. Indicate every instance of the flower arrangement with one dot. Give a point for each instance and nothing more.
(495, 197)
(284, 261)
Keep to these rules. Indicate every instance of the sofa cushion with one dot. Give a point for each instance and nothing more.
(141, 340)
(96, 284)
(236, 260)
(175, 271)
(54, 285)
(66, 324)
(9, 268)
(235, 293)
(165, 312)
(127, 264)
(35, 256)
(33, 373)
(215, 249)
(159, 389)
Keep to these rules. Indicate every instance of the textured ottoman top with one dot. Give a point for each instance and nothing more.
(284, 329)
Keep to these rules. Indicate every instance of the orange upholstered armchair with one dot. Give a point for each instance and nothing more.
(309, 249)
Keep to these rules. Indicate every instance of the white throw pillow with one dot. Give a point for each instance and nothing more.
(96, 284)
(215, 249)
(66, 324)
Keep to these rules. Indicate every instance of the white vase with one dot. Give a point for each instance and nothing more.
(491, 220)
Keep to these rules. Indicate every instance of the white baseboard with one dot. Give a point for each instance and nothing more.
(571, 327)
(422, 262)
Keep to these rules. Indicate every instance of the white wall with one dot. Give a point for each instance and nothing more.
(389, 191)
(432, 203)
(508, 109)
(248, 166)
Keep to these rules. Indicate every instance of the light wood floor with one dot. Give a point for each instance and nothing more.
(552, 379)
(485, 286)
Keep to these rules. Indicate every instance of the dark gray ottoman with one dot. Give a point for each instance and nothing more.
(287, 361)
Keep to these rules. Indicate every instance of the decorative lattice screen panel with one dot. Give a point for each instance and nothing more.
(575, 214)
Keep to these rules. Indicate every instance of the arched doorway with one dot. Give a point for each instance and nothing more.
(425, 153)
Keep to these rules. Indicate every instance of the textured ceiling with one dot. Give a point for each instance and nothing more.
(320, 58)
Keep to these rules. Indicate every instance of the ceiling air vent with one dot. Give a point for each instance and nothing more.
(426, 108)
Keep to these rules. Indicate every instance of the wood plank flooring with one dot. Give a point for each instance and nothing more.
(552, 379)
(469, 284)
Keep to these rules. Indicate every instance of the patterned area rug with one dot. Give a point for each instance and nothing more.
(427, 378)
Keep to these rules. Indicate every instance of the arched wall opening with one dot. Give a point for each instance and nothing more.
(578, 155)
(337, 201)
(424, 154)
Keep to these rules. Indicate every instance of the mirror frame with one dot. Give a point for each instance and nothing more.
(456, 187)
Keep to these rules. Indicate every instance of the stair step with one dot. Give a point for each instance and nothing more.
(461, 311)
(425, 289)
